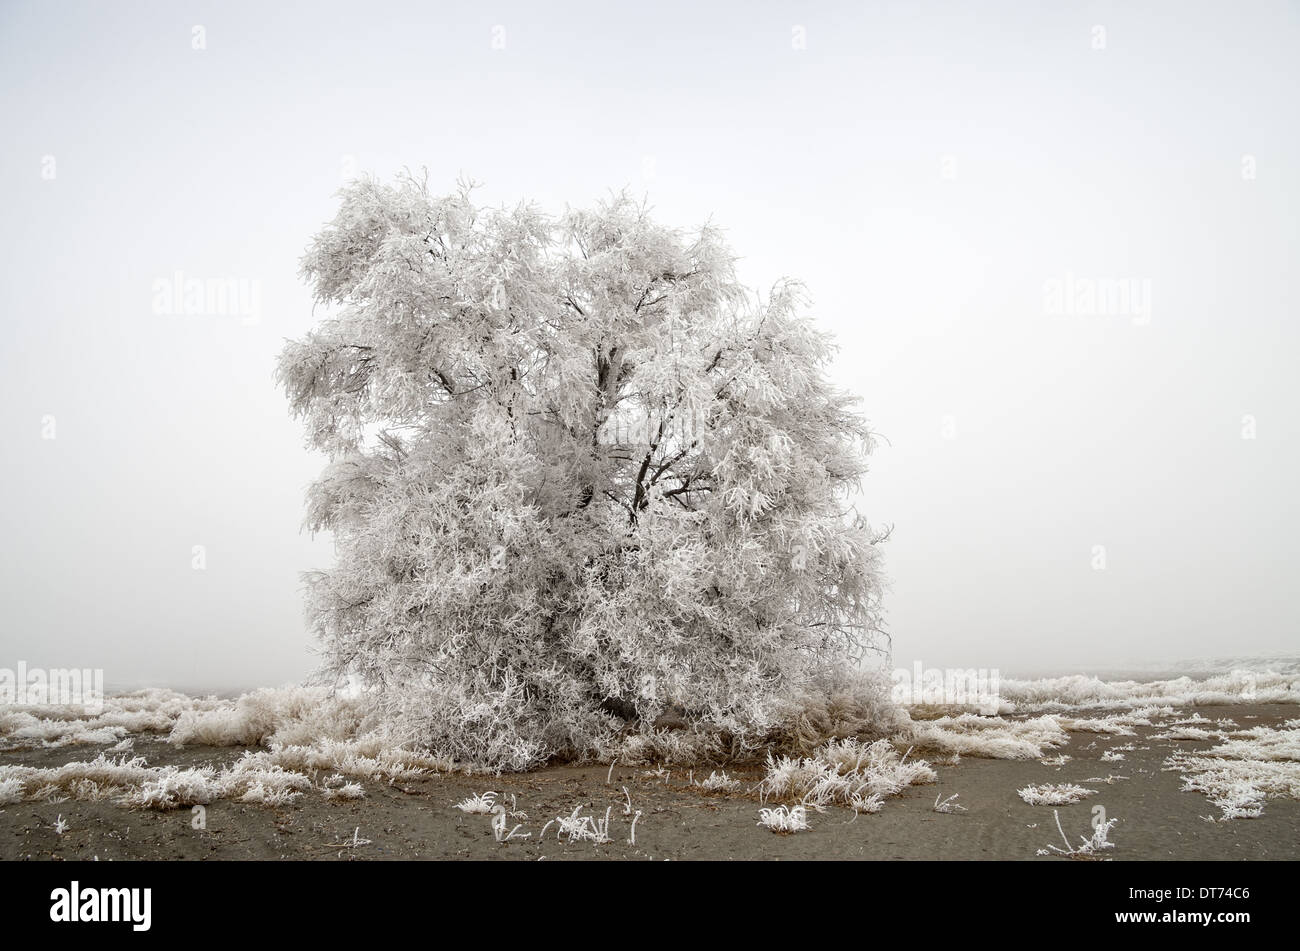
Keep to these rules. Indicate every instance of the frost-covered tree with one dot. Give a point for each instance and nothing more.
(579, 477)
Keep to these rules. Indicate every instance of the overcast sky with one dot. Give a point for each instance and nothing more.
(1057, 247)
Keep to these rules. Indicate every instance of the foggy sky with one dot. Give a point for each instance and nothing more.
(951, 183)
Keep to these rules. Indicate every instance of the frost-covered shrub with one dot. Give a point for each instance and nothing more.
(256, 716)
(1241, 774)
(1117, 724)
(255, 777)
(1077, 691)
(671, 747)
(480, 804)
(100, 778)
(991, 737)
(1090, 846)
(310, 730)
(346, 791)
(1054, 794)
(948, 805)
(784, 820)
(718, 782)
(152, 710)
(1187, 733)
(268, 795)
(579, 478)
(172, 789)
(844, 772)
(578, 828)
(838, 703)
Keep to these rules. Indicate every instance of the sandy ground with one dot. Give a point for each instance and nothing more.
(417, 819)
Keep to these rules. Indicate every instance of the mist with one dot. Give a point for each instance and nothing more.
(1055, 251)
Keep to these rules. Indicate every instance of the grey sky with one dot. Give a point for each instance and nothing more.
(951, 183)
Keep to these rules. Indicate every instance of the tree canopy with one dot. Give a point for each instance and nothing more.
(579, 477)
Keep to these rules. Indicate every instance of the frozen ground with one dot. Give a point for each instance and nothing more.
(1190, 769)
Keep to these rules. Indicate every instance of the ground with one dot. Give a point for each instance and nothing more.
(417, 819)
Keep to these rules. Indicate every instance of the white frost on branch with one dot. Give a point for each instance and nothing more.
(1090, 846)
(579, 477)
